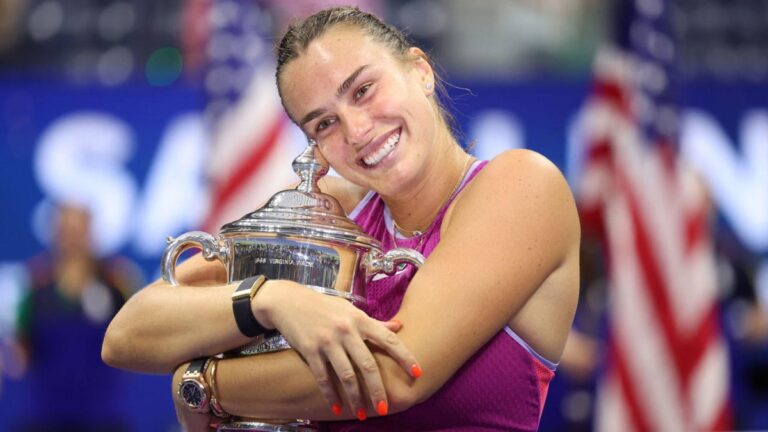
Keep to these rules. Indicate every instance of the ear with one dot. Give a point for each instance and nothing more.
(423, 69)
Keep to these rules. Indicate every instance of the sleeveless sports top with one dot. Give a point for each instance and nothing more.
(502, 387)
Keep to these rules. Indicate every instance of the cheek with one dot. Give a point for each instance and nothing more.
(333, 150)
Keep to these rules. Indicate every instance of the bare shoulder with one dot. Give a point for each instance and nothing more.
(348, 193)
(523, 167)
(508, 253)
(518, 187)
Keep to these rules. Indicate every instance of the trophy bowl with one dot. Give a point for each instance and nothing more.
(301, 235)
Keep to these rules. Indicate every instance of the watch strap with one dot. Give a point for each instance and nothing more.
(241, 306)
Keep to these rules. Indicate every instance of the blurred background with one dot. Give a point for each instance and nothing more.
(123, 122)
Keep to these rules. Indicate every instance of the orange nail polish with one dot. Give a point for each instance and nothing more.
(361, 414)
(416, 370)
(336, 408)
(382, 408)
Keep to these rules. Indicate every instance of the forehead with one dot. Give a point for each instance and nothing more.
(326, 63)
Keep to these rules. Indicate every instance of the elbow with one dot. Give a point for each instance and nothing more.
(112, 349)
(403, 394)
(129, 343)
(120, 352)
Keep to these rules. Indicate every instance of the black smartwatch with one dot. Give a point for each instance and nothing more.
(241, 306)
(193, 389)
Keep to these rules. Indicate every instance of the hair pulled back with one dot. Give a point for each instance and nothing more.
(300, 34)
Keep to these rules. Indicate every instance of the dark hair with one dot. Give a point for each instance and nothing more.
(300, 34)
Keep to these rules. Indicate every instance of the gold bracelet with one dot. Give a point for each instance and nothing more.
(215, 405)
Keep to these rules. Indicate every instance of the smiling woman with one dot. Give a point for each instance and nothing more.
(485, 318)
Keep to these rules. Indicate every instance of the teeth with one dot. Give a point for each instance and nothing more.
(376, 157)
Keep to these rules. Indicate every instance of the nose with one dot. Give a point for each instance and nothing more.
(358, 126)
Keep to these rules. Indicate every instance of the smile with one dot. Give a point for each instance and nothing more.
(376, 156)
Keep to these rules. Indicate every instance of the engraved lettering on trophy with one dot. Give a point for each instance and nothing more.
(291, 262)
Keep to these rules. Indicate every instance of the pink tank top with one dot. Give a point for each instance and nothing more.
(502, 387)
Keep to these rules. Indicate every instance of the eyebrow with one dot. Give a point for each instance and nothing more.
(339, 92)
(349, 81)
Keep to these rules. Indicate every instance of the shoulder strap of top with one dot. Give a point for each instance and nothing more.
(362, 204)
(476, 167)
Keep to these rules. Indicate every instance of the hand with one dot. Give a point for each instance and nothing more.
(189, 420)
(330, 330)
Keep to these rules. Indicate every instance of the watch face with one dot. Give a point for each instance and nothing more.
(192, 393)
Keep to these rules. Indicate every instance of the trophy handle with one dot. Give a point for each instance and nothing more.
(211, 249)
(376, 262)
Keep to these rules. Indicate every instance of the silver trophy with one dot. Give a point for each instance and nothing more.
(301, 235)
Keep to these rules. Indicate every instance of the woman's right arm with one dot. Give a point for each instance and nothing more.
(163, 326)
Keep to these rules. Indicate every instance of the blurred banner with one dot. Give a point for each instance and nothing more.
(139, 154)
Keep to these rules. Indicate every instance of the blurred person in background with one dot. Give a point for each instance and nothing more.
(72, 297)
(746, 319)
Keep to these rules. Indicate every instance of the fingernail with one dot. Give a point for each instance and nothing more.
(397, 321)
(416, 370)
(361, 414)
(336, 408)
(382, 408)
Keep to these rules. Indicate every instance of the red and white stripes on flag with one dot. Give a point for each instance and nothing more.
(667, 363)
(253, 141)
(252, 153)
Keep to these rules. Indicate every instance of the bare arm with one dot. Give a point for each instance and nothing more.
(514, 230)
(163, 326)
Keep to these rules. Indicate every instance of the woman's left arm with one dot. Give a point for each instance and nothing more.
(510, 244)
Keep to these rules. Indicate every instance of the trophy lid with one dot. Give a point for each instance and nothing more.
(304, 211)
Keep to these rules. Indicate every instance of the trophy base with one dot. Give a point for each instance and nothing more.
(270, 342)
(261, 426)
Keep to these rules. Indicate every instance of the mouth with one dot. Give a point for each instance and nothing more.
(378, 154)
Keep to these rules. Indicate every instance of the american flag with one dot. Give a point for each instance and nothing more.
(667, 363)
(253, 141)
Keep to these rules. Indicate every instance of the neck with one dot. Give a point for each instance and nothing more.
(441, 179)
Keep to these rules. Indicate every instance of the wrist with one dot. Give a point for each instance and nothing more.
(176, 380)
(242, 299)
(193, 390)
(216, 408)
(262, 304)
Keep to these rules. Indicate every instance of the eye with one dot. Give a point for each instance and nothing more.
(362, 91)
(325, 123)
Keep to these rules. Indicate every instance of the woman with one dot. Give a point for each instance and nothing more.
(485, 318)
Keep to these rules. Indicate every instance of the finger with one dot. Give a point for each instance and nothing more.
(319, 369)
(361, 355)
(382, 337)
(393, 325)
(348, 379)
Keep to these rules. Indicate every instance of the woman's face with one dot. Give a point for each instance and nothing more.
(370, 113)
